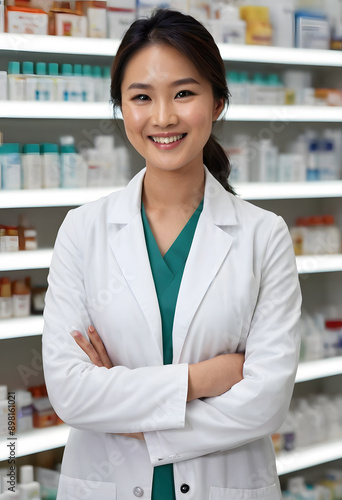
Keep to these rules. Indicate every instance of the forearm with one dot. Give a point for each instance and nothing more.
(214, 376)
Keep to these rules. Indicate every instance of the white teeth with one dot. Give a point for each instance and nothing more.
(167, 140)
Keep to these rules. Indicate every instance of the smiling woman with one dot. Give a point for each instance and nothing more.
(182, 300)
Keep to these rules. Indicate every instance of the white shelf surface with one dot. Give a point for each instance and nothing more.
(52, 197)
(41, 259)
(321, 368)
(307, 264)
(288, 190)
(104, 111)
(229, 52)
(39, 440)
(13, 328)
(36, 441)
(58, 44)
(30, 259)
(284, 114)
(308, 457)
(248, 191)
(56, 110)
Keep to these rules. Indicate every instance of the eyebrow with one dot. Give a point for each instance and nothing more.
(147, 86)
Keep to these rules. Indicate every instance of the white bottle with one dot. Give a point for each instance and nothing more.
(24, 411)
(328, 166)
(332, 235)
(3, 411)
(31, 167)
(232, 27)
(111, 174)
(10, 164)
(16, 82)
(106, 83)
(51, 165)
(44, 89)
(95, 166)
(88, 84)
(73, 167)
(2, 16)
(7, 494)
(30, 81)
(29, 489)
(3, 85)
(55, 79)
(267, 161)
(238, 156)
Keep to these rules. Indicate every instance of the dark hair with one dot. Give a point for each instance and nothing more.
(192, 39)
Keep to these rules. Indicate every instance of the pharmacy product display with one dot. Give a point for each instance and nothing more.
(312, 420)
(18, 298)
(316, 235)
(321, 336)
(289, 88)
(327, 487)
(42, 81)
(310, 157)
(36, 166)
(30, 408)
(294, 23)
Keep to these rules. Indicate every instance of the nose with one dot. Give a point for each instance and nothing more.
(164, 114)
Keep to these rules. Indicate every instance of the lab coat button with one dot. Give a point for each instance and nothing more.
(138, 492)
(185, 488)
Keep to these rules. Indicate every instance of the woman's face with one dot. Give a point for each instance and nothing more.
(168, 108)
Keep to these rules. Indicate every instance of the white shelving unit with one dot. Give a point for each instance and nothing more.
(14, 45)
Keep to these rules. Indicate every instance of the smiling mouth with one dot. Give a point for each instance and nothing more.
(167, 140)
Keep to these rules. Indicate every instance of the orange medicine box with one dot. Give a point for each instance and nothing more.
(27, 21)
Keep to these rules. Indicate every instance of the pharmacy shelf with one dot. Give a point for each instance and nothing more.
(249, 191)
(308, 457)
(35, 441)
(288, 190)
(284, 114)
(58, 45)
(41, 259)
(307, 264)
(104, 111)
(280, 55)
(56, 110)
(14, 328)
(30, 259)
(108, 47)
(52, 197)
(321, 368)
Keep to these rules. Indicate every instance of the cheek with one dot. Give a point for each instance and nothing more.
(134, 119)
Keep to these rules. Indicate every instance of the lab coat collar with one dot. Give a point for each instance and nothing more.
(211, 244)
(218, 203)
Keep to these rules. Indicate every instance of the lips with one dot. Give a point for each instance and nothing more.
(167, 140)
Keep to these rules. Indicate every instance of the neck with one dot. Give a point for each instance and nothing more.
(167, 190)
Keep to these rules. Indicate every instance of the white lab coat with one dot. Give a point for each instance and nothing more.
(239, 292)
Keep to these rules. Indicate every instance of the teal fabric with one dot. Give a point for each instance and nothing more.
(167, 273)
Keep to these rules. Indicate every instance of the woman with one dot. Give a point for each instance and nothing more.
(184, 286)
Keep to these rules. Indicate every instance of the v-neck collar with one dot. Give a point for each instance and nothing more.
(177, 253)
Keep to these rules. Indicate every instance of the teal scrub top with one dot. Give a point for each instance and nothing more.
(167, 274)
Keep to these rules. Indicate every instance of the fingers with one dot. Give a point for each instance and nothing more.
(134, 435)
(99, 347)
(86, 347)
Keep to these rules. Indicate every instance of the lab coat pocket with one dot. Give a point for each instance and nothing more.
(267, 493)
(70, 488)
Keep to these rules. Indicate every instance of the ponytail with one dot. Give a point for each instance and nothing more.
(217, 162)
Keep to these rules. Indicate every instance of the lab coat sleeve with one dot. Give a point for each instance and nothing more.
(257, 405)
(118, 400)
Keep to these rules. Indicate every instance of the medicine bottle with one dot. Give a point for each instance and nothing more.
(3, 411)
(29, 489)
(5, 298)
(21, 299)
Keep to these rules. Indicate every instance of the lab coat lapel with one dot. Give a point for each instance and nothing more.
(129, 248)
(212, 241)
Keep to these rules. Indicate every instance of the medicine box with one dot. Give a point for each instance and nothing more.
(27, 21)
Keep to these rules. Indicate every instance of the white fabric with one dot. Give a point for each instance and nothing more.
(239, 292)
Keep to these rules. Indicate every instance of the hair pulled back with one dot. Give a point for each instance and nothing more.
(193, 40)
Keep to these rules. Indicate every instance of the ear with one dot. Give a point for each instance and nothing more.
(218, 108)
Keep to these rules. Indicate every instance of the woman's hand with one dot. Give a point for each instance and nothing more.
(215, 376)
(97, 353)
(94, 349)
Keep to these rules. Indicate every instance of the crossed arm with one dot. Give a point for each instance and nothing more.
(208, 378)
